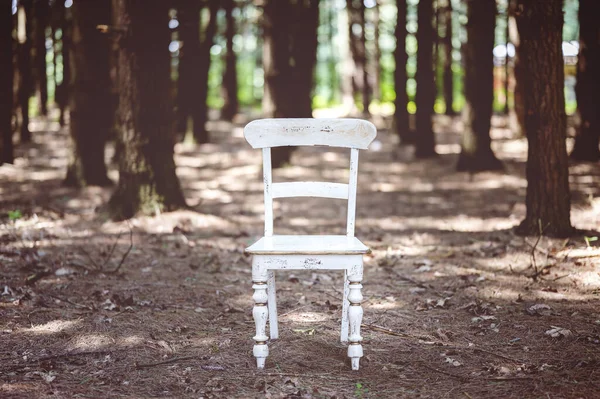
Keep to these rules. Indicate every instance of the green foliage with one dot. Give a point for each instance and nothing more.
(15, 215)
(360, 391)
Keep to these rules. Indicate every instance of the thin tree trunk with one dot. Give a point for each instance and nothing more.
(188, 14)
(400, 77)
(6, 82)
(356, 29)
(448, 75)
(41, 10)
(199, 106)
(476, 151)
(425, 97)
(548, 203)
(147, 179)
(289, 57)
(26, 83)
(377, 55)
(63, 90)
(507, 62)
(92, 106)
(517, 114)
(230, 82)
(587, 140)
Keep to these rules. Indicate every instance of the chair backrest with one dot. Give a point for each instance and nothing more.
(355, 134)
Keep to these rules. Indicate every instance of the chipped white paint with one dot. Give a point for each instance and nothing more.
(310, 189)
(293, 252)
(349, 133)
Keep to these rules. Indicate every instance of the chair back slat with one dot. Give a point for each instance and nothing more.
(268, 186)
(348, 133)
(353, 181)
(310, 189)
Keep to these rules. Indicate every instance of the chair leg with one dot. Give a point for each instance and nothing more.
(355, 314)
(260, 313)
(345, 303)
(271, 292)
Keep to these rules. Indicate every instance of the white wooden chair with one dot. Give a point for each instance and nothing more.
(317, 252)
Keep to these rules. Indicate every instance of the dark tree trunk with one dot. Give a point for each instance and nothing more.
(26, 83)
(41, 11)
(289, 57)
(400, 77)
(476, 151)
(507, 62)
(147, 179)
(426, 89)
(548, 201)
(188, 14)
(230, 83)
(377, 53)
(587, 140)
(63, 21)
(199, 108)
(92, 106)
(358, 49)
(448, 75)
(6, 82)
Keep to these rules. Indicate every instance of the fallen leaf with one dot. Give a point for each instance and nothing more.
(557, 332)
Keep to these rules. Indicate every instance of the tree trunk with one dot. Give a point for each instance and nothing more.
(448, 75)
(476, 151)
(400, 77)
(62, 90)
(425, 96)
(188, 14)
(289, 57)
(230, 83)
(147, 179)
(92, 106)
(548, 202)
(358, 49)
(26, 83)
(507, 62)
(377, 53)
(517, 114)
(6, 82)
(587, 140)
(199, 107)
(41, 11)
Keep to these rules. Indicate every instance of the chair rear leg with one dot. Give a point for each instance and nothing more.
(271, 290)
(345, 303)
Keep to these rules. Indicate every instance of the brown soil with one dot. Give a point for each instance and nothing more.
(456, 305)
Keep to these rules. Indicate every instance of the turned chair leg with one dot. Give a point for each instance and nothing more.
(345, 303)
(355, 314)
(273, 325)
(260, 314)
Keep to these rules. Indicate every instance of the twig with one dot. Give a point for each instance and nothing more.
(97, 267)
(112, 250)
(168, 361)
(388, 331)
(325, 377)
(116, 269)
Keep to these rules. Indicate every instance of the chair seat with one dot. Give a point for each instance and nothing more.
(303, 244)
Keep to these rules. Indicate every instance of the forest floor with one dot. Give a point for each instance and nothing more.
(456, 305)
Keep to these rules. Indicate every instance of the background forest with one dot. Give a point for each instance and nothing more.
(128, 195)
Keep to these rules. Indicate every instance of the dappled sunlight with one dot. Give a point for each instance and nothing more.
(305, 317)
(52, 327)
(88, 342)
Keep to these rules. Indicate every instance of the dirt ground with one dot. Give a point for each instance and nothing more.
(456, 305)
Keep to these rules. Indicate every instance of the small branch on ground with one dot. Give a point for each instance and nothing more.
(168, 361)
(116, 269)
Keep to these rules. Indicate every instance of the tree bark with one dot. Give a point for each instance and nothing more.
(6, 82)
(358, 49)
(517, 114)
(587, 88)
(62, 90)
(476, 151)
(147, 179)
(26, 83)
(400, 77)
(448, 75)
(377, 52)
(199, 107)
(548, 203)
(41, 11)
(289, 57)
(426, 89)
(230, 83)
(92, 106)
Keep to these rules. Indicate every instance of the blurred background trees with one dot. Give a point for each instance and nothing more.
(146, 75)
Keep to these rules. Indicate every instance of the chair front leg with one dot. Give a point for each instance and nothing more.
(355, 314)
(260, 313)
